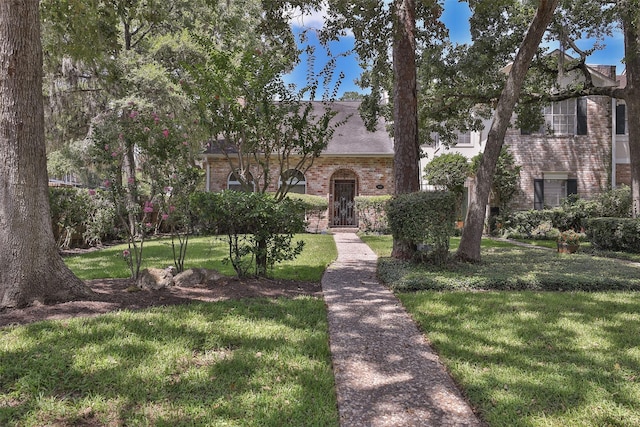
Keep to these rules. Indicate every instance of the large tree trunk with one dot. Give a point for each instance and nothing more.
(30, 267)
(406, 161)
(632, 95)
(469, 249)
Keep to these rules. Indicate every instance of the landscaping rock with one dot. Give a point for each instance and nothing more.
(155, 278)
(196, 277)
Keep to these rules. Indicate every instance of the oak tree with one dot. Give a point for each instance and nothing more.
(32, 269)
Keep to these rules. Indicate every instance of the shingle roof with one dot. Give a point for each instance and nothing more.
(351, 139)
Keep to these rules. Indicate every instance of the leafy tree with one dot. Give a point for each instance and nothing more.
(380, 28)
(263, 127)
(351, 96)
(505, 179)
(469, 248)
(448, 172)
(143, 156)
(32, 269)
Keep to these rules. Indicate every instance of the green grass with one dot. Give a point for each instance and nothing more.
(539, 359)
(505, 266)
(586, 247)
(237, 363)
(207, 252)
(526, 358)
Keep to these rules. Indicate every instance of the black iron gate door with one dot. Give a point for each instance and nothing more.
(343, 204)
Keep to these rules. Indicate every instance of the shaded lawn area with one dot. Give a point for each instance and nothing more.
(530, 358)
(255, 362)
(251, 362)
(505, 266)
(205, 252)
(539, 359)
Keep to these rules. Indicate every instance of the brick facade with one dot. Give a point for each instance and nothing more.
(368, 172)
(586, 158)
(623, 174)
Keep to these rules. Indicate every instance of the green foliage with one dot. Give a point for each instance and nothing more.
(315, 207)
(514, 268)
(424, 218)
(573, 214)
(204, 252)
(263, 124)
(144, 158)
(505, 179)
(81, 216)
(448, 171)
(372, 213)
(614, 234)
(69, 212)
(258, 228)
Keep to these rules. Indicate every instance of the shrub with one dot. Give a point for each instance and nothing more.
(424, 218)
(372, 213)
(314, 206)
(615, 234)
(81, 216)
(505, 180)
(259, 230)
(69, 213)
(615, 203)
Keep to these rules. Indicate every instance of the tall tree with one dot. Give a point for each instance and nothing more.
(630, 16)
(469, 248)
(402, 27)
(32, 270)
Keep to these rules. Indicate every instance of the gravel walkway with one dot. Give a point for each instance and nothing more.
(386, 374)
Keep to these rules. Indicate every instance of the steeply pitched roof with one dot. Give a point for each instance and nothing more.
(351, 139)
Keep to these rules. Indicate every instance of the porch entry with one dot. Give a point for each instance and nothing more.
(344, 213)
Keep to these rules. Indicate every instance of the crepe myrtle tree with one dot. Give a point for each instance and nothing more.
(263, 127)
(142, 156)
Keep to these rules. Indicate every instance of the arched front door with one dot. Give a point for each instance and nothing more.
(344, 191)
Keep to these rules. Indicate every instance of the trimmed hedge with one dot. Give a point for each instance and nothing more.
(615, 234)
(424, 218)
(372, 213)
(315, 207)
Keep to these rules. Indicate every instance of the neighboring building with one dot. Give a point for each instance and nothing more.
(356, 162)
(582, 149)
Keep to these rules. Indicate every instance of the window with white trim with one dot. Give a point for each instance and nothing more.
(296, 181)
(553, 189)
(560, 117)
(566, 117)
(622, 122)
(464, 138)
(234, 183)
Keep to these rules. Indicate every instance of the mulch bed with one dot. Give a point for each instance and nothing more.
(116, 294)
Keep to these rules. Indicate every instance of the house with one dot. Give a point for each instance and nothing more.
(582, 149)
(355, 162)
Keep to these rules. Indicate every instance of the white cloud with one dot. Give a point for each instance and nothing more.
(314, 19)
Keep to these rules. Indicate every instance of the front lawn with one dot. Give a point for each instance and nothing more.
(531, 358)
(506, 266)
(255, 362)
(539, 359)
(206, 252)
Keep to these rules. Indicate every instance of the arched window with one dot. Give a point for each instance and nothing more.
(233, 183)
(296, 181)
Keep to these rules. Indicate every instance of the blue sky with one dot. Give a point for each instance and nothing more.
(455, 17)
